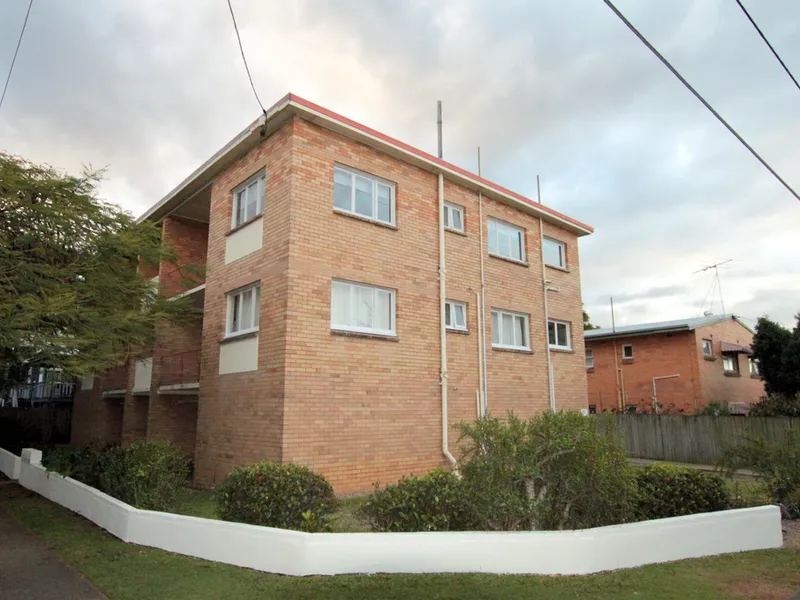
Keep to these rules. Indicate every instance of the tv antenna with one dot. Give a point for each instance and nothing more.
(716, 280)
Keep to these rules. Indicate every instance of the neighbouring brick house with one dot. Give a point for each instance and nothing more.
(711, 355)
(324, 325)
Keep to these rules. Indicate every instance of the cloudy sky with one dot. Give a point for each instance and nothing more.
(150, 89)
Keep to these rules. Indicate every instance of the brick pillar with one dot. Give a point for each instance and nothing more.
(95, 419)
(135, 409)
(189, 239)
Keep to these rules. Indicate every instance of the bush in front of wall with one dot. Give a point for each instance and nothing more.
(777, 464)
(147, 474)
(434, 502)
(288, 496)
(670, 491)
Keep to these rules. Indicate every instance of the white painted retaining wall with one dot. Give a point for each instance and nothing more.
(296, 553)
(9, 464)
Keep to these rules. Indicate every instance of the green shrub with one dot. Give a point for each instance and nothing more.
(777, 405)
(554, 471)
(288, 496)
(777, 463)
(434, 502)
(670, 491)
(714, 409)
(147, 474)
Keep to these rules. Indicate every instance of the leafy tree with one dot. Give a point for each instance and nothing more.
(70, 292)
(587, 324)
(777, 351)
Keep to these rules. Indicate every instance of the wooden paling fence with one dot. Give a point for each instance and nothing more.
(693, 439)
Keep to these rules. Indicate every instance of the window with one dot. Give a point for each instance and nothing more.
(558, 335)
(362, 308)
(453, 216)
(627, 352)
(455, 315)
(555, 253)
(754, 370)
(510, 330)
(708, 349)
(506, 240)
(589, 359)
(364, 195)
(730, 363)
(248, 199)
(243, 310)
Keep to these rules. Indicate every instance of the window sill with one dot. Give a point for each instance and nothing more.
(628, 361)
(521, 263)
(562, 350)
(344, 213)
(459, 331)
(245, 224)
(756, 377)
(232, 337)
(709, 358)
(590, 369)
(371, 336)
(731, 374)
(512, 350)
(557, 268)
(456, 231)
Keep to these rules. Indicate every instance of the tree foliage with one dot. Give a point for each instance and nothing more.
(587, 323)
(70, 292)
(777, 351)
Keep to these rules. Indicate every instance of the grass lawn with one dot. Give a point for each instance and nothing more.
(128, 572)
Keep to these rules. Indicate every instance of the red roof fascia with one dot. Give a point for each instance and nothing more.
(429, 157)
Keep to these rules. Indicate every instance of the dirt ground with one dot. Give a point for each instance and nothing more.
(791, 533)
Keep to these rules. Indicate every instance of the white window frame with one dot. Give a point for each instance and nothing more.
(624, 357)
(375, 181)
(734, 358)
(494, 225)
(391, 332)
(589, 359)
(556, 345)
(710, 347)
(258, 179)
(451, 305)
(497, 328)
(562, 252)
(236, 296)
(449, 209)
(752, 365)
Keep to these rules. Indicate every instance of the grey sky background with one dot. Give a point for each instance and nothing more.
(150, 89)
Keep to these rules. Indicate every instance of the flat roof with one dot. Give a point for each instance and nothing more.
(291, 105)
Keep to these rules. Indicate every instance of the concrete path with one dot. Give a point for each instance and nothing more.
(29, 570)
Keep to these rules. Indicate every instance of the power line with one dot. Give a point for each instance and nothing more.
(244, 58)
(699, 97)
(766, 41)
(13, 60)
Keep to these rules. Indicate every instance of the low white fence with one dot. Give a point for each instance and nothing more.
(9, 464)
(297, 553)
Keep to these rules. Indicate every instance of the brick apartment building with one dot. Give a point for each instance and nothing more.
(710, 354)
(325, 322)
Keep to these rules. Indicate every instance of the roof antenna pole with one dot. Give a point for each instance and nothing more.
(439, 124)
(538, 191)
(716, 267)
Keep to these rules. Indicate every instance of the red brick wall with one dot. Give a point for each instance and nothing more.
(173, 418)
(364, 410)
(240, 415)
(653, 356)
(189, 240)
(96, 419)
(716, 386)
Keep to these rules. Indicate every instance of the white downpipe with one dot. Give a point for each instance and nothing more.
(482, 331)
(481, 374)
(443, 329)
(545, 288)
